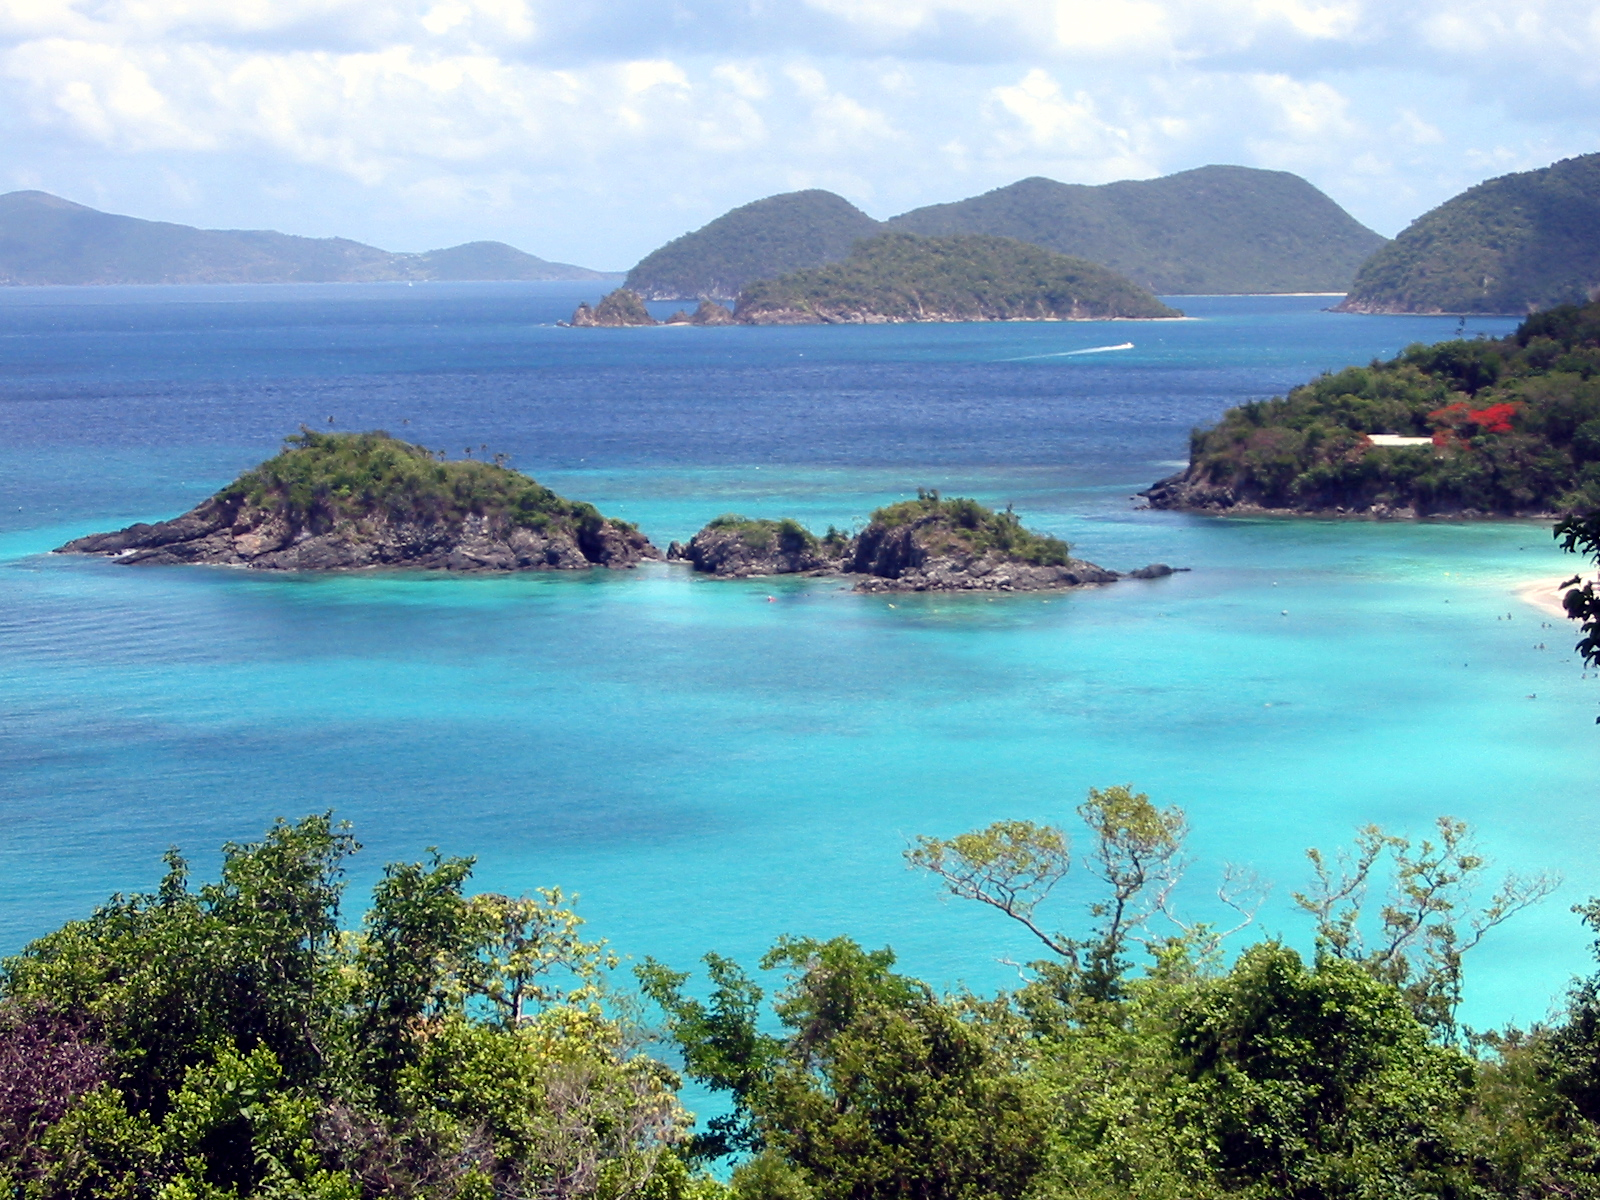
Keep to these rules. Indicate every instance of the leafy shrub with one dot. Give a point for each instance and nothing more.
(322, 478)
(962, 525)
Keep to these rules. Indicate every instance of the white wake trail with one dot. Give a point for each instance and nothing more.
(1072, 353)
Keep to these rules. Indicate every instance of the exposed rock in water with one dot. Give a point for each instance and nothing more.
(345, 501)
(619, 308)
(927, 544)
(712, 313)
(709, 313)
(733, 546)
(922, 556)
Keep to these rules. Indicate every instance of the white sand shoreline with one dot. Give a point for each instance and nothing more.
(1544, 594)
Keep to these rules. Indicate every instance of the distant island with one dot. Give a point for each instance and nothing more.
(1509, 427)
(930, 544)
(969, 277)
(47, 240)
(1216, 229)
(755, 241)
(1510, 245)
(339, 501)
(898, 277)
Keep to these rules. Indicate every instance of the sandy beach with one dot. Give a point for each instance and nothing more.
(1544, 594)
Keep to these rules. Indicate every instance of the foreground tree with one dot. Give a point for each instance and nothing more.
(232, 1041)
(878, 1089)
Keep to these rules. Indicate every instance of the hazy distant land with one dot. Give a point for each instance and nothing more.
(47, 240)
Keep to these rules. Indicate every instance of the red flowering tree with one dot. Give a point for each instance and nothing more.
(1460, 421)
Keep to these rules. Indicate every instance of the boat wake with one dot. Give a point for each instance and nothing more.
(1073, 353)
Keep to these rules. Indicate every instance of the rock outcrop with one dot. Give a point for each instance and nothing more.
(708, 313)
(920, 557)
(929, 544)
(617, 309)
(405, 509)
(735, 547)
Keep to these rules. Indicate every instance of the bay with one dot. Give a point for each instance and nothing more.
(714, 763)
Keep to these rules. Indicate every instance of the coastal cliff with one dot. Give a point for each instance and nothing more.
(342, 501)
(930, 544)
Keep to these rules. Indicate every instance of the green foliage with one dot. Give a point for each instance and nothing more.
(1579, 533)
(1509, 245)
(756, 241)
(764, 536)
(1426, 922)
(322, 478)
(1311, 450)
(1213, 229)
(877, 1089)
(964, 277)
(455, 1047)
(1318, 1083)
(959, 525)
(237, 1040)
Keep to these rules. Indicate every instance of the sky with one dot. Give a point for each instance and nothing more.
(591, 131)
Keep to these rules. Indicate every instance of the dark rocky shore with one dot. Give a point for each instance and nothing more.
(918, 546)
(245, 535)
(352, 501)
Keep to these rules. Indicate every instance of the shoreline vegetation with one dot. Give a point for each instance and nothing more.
(354, 501)
(343, 501)
(248, 1037)
(900, 278)
(1508, 427)
(930, 544)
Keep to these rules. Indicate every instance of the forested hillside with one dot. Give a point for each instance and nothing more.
(756, 241)
(898, 277)
(1510, 245)
(1506, 427)
(1214, 229)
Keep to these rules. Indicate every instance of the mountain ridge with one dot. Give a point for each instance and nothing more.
(48, 240)
(1212, 229)
(1512, 244)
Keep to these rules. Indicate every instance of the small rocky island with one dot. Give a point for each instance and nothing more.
(930, 544)
(899, 277)
(623, 308)
(340, 501)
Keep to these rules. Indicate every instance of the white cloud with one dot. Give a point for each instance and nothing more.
(593, 131)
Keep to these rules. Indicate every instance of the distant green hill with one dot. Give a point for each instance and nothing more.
(47, 240)
(901, 277)
(1214, 229)
(757, 241)
(1509, 245)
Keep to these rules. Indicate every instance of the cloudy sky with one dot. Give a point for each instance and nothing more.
(592, 130)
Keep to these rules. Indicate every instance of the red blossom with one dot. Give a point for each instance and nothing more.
(1459, 417)
(1494, 419)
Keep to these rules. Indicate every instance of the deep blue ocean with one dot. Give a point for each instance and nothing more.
(714, 763)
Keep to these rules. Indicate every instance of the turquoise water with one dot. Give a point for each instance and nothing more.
(714, 763)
